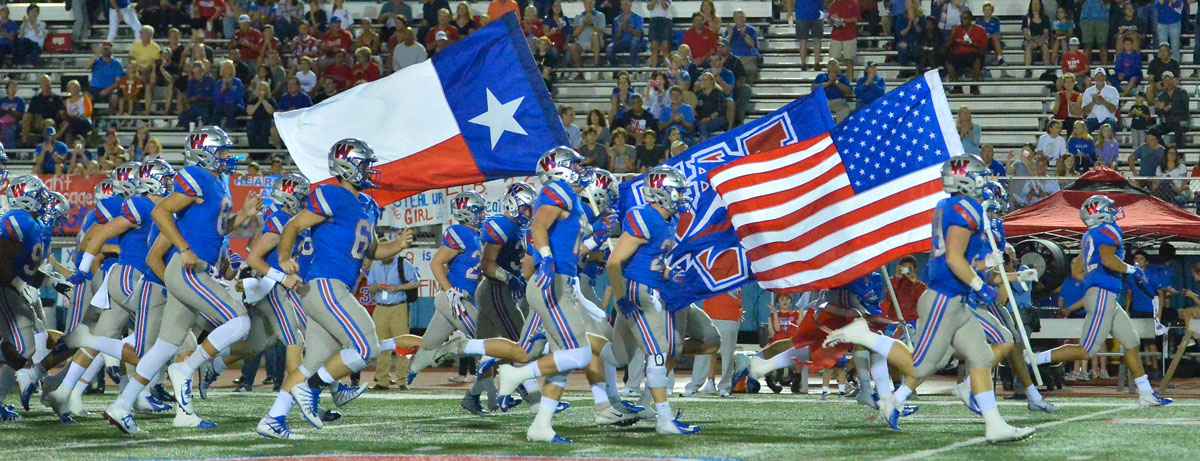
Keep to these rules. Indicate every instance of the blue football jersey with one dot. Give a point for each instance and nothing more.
(566, 233)
(273, 223)
(463, 270)
(20, 227)
(594, 269)
(504, 231)
(1097, 275)
(203, 224)
(134, 243)
(955, 211)
(647, 266)
(106, 210)
(147, 274)
(341, 242)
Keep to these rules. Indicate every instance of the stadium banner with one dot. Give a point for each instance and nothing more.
(433, 208)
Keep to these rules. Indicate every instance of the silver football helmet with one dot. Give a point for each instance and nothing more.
(350, 160)
(965, 175)
(561, 163)
(995, 198)
(208, 147)
(104, 189)
(154, 177)
(1099, 209)
(28, 193)
(289, 192)
(667, 187)
(468, 208)
(518, 202)
(124, 178)
(3, 167)
(601, 190)
(57, 209)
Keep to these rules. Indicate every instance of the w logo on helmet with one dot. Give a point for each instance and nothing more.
(106, 188)
(655, 179)
(341, 150)
(959, 166)
(1094, 207)
(18, 190)
(603, 181)
(196, 141)
(546, 163)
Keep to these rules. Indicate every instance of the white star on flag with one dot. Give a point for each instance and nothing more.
(500, 117)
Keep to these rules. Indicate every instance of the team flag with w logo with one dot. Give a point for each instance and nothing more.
(827, 210)
(477, 111)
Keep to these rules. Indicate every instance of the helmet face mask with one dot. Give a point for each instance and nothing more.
(518, 203)
(601, 190)
(468, 208)
(289, 191)
(56, 210)
(995, 199)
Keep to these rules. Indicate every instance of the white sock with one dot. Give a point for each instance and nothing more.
(1032, 394)
(1143, 384)
(986, 400)
(883, 345)
(109, 346)
(74, 371)
(326, 377)
(78, 390)
(862, 367)
(545, 413)
(387, 344)
(782, 360)
(529, 372)
(841, 388)
(130, 394)
(664, 411)
(474, 347)
(219, 364)
(881, 375)
(610, 382)
(196, 359)
(283, 404)
(1042, 357)
(902, 393)
(992, 417)
(39, 347)
(599, 393)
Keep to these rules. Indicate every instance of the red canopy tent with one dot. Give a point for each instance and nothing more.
(1147, 218)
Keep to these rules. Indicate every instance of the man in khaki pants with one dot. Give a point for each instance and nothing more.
(393, 285)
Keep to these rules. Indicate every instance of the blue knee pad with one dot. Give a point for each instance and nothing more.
(572, 359)
(353, 360)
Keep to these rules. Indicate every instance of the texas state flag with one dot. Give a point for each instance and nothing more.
(474, 112)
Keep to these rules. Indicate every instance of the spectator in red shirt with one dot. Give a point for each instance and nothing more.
(701, 40)
(967, 46)
(844, 43)
(340, 71)
(247, 41)
(269, 42)
(305, 44)
(908, 290)
(1075, 62)
(365, 68)
(336, 39)
(207, 13)
(531, 24)
(443, 25)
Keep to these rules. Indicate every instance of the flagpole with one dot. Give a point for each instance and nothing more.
(896, 304)
(1012, 302)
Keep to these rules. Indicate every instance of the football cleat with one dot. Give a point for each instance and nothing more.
(626, 406)
(208, 375)
(122, 419)
(58, 402)
(508, 379)
(307, 399)
(888, 411)
(472, 405)
(27, 385)
(1147, 400)
(1042, 405)
(276, 428)
(908, 410)
(345, 394)
(676, 427)
(160, 392)
(192, 421)
(606, 414)
(147, 403)
(181, 383)
(963, 392)
(857, 332)
(759, 367)
(114, 374)
(75, 406)
(546, 434)
(1007, 433)
(409, 379)
(562, 406)
(508, 402)
(329, 416)
(8, 413)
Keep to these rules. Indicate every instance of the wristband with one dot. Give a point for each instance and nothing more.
(501, 275)
(1131, 268)
(590, 244)
(276, 275)
(544, 251)
(976, 283)
(85, 262)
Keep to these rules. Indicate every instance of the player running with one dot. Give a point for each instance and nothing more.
(946, 324)
(23, 244)
(1103, 260)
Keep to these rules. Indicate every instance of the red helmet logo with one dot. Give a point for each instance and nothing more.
(287, 186)
(106, 188)
(959, 166)
(546, 163)
(656, 179)
(603, 181)
(1093, 208)
(341, 150)
(196, 141)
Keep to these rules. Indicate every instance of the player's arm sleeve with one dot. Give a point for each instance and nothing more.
(14, 230)
(273, 225)
(187, 185)
(317, 203)
(636, 226)
(452, 240)
(962, 215)
(494, 233)
(131, 212)
(555, 194)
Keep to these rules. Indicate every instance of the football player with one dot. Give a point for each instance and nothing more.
(23, 244)
(946, 323)
(1103, 248)
(194, 219)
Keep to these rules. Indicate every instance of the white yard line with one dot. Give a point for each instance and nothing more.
(978, 440)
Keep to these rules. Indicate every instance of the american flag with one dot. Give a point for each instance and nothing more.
(825, 211)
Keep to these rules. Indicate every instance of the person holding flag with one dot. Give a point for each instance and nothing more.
(945, 323)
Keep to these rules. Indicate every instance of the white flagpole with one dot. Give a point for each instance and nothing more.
(896, 304)
(1012, 302)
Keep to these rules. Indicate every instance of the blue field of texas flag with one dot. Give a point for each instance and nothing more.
(474, 112)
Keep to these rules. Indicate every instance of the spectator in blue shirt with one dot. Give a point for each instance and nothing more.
(293, 98)
(1127, 72)
(8, 35)
(1168, 28)
(677, 115)
(51, 156)
(809, 27)
(106, 71)
(897, 11)
(1093, 23)
(12, 109)
(991, 25)
(200, 88)
(836, 89)
(871, 86)
(626, 35)
(995, 167)
(228, 98)
(743, 42)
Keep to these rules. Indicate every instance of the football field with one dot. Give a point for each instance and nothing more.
(430, 425)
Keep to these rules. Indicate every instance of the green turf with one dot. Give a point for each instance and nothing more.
(749, 427)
